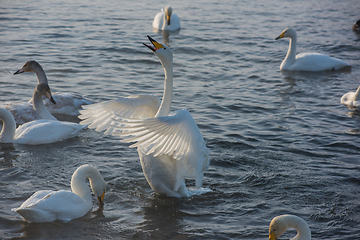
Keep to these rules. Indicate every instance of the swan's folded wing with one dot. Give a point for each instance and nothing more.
(176, 135)
(100, 115)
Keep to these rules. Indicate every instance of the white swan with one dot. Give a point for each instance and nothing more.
(47, 130)
(281, 223)
(166, 20)
(67, 103)
(351, 99)
(48, 205)
(25, 112)
(170, 145)
(307, 61)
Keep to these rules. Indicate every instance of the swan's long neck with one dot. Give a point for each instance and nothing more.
(291, 54)
(303, 230)
(9, 126)
(40, 73)
(78, 182)
(164, 109)
(40, 108)
(357, 94)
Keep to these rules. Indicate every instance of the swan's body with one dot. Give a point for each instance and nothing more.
(67, 103)
(48, 206)
(46, 130)
(351, 99)
(356, 27)
(166, 20)
(170, 145)
(307, 61)
(281, 223)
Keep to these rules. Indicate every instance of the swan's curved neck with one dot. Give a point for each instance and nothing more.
(357, 94)
(303, 230)
(9, 126)
(40, 108)
(291, 54)
(40, 73)
(164, 109)
(79, 185)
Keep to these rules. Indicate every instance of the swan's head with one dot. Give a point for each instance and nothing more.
(281, 223)
(44, 89)
(29, 66)
(288, 32)
(164, 53)
(356, 27)
(168, 12)
(277, 227)
(99, 188)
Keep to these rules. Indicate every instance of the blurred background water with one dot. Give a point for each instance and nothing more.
(281, 143)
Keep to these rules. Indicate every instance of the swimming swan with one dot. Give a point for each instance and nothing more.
(166, 20)
(307, 61)
(170, 145)
(67, 103)
(351, 99)
(48, 205)
(47, 130)
(281, 223)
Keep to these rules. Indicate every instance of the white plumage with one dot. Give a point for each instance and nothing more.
(281, 223)
(166, 20)
(307, 61)
(351, 99)
(170, 145)
(48, 205)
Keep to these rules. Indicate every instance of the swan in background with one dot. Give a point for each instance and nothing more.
(170, 145)
(67, 103)
(351, 99)
(356, 27)
(166, 20)
(281, 223)
(48, 205)
(307, 61)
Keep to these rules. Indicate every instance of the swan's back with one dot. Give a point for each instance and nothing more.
(317, 62)
(46, 131)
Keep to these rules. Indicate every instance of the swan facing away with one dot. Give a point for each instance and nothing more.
(67, 103)
(351, 99)
(280, 224)
(48, 205)
(307, 61)
(170, 145)
(166, 20)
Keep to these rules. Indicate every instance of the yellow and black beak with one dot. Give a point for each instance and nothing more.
(168, 19)
(280, 36)
(272, 236)
(101, 198)
(155, 44)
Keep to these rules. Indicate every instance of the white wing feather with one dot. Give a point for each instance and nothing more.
(100, 115)
(176, 135)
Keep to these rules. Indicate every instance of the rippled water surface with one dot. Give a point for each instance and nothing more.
(281, 143)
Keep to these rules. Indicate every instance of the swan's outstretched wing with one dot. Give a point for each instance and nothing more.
(176, 135)
(100, 115)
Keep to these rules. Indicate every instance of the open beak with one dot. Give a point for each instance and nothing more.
(19, 71)
(101, 198)
(280, 36)
(155, 44)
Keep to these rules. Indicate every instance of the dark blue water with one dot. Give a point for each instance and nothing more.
(281, 143)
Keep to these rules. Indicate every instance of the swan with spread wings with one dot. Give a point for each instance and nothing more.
(170, 145)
